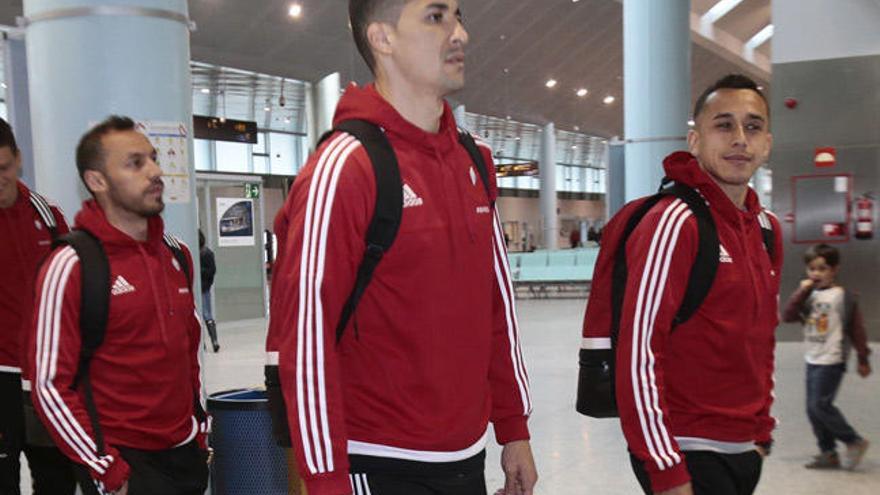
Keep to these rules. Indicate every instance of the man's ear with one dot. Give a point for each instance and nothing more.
(693, 139)
(95, 181)
(380, 36)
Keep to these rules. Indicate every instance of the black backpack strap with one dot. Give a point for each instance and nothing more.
(177, 251)
(45, 212)
(470, 145)
(94, 308)
(386, 215)
(705, 264)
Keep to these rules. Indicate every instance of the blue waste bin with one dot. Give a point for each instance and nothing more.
(247, 460)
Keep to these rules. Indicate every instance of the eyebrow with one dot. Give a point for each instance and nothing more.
(728, 115)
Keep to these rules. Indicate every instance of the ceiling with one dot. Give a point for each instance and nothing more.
(515, 46)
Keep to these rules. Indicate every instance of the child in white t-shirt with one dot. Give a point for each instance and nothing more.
(832, 325)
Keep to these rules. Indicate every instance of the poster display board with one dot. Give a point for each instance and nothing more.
(235, 222)
(172, 150)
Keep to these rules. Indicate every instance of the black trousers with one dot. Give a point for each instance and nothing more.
(383, 476)
(51, 472)
(713, 473)
(179, 471)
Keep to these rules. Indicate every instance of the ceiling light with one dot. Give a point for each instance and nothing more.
(3, 85)
(608, 100)
(267, 109)
(295, 10)
(760, 88)
(691, 123)
(577, 128)
(206, 91)
(582, 92)
(551, 83)
(574, 147)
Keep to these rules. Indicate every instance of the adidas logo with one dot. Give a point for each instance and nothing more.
(121, 286)
(724, 255)
(410, 198)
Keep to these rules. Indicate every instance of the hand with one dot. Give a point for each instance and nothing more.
(685, 489)
(761, 451)
(518, 464)
(806, 283)
(864, 370)
(123, 490)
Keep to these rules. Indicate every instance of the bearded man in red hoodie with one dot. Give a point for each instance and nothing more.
(145, 375)
(402, 403)
(694, 398)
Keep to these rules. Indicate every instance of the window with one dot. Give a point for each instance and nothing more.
(232, 157)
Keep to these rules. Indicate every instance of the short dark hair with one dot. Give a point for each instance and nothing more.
(90, 150)
(829, 253)
(7, 137)
(730, 81)
(362, 13)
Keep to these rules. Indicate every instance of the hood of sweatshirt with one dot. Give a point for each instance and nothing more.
(92, 218)
(365, 103)
(683, 167)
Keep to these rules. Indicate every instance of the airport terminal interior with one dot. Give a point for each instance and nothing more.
(579, 100)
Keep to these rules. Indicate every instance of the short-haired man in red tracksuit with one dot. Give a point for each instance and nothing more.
(432, 355)
(694, 399)
(145, 374)
(26, 228)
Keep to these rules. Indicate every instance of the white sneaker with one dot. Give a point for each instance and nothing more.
(854, 454)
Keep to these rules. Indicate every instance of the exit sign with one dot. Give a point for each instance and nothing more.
(252, 191)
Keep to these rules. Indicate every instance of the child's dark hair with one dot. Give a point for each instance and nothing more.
(829, 253)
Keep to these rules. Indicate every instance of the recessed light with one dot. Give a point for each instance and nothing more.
(609, 100)
(517, 138)
(267, 109)
(551, 83)
(577, 128)
(574, 147)
(295, 10)
(206, 91)
(760, 88)
(691, 123)
(3, 85)
(582, 92)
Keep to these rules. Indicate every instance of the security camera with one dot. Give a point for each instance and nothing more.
(281, 101)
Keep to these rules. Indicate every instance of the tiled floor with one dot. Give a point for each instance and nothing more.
(579, 456)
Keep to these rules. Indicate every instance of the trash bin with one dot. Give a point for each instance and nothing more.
(246, 459)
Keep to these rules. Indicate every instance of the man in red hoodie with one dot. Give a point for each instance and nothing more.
(402, 404)
(145, 374)
(694, 399)
(26, 225)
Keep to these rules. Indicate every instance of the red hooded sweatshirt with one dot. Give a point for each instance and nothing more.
(432, 353)
(24, 242)
(707, 384)
(145, 372)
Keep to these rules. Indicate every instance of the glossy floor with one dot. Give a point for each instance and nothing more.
(580, 456)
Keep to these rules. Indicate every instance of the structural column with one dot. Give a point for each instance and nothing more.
(547, 171)
(326, 93)
(88, 59)
(17, 107)
(460, 114)
(657, 89)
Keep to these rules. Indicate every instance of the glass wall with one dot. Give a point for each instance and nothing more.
(580, 166)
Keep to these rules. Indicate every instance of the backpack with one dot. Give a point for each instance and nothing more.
(596, 379)
(381, 233)
(94, 309)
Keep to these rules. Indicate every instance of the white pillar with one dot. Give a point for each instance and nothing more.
(326, 96)
(547, 170)
(17, 104)
(657, 89)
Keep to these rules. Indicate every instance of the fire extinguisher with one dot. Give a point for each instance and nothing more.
(865, 217)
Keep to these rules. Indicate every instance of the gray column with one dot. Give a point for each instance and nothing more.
(326, 94)
(547, 170)
(657, 90)
(129, 59)
(17, 105)
(460, 113)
